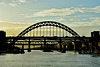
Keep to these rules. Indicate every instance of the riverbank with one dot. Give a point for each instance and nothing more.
(95, 55)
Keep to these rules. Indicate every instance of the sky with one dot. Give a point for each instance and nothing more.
(83, 16)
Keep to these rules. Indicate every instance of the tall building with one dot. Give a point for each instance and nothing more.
(2, 36)
(95, 34)
(2, 40)
(95, 40)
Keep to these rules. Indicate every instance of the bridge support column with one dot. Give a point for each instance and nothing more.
(44, 43)
(75, 44)
(63, 48)
(46, 47)
(29, 50)
(13, 44)
(87, 45)
(22, 50)
(60, 44)
(97, 48)
(92, 46)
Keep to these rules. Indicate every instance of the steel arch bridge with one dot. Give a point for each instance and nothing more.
(52, 28)
(46, 34)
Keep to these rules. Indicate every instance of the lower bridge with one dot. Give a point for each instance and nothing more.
(46, 43)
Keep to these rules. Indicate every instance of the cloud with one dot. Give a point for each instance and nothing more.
(60, 19)
(53, 12)
(12, 3)
(96, 9)
(64, 11)
(22, 1)
(95, 18)
(81, 23)
(3, 3)
(94, 22)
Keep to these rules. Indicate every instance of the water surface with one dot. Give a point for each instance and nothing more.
(48, 59)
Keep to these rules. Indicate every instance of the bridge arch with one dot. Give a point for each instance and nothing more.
(48, 23)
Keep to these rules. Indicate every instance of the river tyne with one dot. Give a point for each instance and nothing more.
(38, 58)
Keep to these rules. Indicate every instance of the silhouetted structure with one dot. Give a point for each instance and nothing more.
(44, 34)
(50, 36)
(5, 47)
(95, 34)
(95, 41)
(2, 40)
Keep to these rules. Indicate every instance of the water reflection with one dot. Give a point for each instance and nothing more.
(48, 59)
